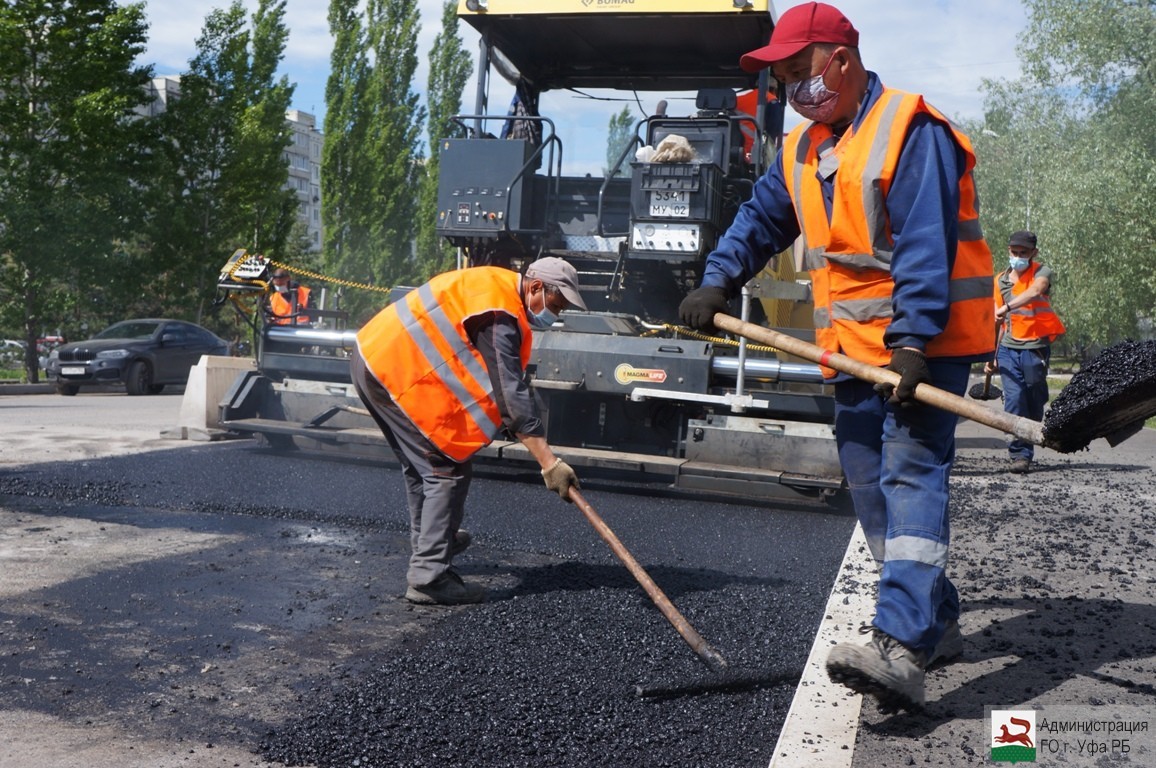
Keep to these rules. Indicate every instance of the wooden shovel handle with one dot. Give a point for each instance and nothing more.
(709, 655)
(1025, 429)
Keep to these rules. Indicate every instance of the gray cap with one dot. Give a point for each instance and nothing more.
(559, 273)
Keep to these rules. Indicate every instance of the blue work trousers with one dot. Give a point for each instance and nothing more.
(1024, 374)
(897, 462)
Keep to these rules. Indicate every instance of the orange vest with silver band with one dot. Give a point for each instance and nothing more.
(418, 349)
(282, 307)
(849, 257)
(1034, 320)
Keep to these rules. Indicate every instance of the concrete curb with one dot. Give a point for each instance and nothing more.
(27, 389)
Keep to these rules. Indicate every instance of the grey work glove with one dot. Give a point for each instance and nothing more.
(559, 478)
(911, 365)
(700, 306)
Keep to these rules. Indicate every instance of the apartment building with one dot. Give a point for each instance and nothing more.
(303, 155)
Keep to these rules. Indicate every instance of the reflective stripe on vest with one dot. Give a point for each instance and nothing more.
(849, 254)
(420, 352)
(1034, 320)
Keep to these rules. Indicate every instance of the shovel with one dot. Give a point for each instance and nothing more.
(1116, 409)
(986, 391)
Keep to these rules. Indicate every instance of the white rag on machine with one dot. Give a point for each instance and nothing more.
(672, 149)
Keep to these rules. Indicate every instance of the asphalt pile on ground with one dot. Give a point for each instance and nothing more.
(548, 679)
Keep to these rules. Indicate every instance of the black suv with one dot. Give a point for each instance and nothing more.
(144, 355)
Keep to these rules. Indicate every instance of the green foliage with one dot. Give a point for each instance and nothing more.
(1070, 153)
(372, 156)
(225, 173)
(73, 159)
(449, 67)
(619, 133)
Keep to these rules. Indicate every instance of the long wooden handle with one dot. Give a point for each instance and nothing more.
(1025, 429)
(696, 641)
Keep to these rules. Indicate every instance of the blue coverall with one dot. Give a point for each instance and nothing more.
(897, 461)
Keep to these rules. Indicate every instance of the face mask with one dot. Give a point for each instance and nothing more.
(543, 318)
(812, 98)
(1019, 264)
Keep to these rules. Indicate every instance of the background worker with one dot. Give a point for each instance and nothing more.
(879, 185)
(1029, 328)
(288, 301)
(442, 372)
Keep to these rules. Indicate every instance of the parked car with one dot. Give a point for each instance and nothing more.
(11, 353)
(145, 355)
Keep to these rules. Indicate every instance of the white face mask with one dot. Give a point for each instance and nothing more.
(1018, 263)
(544, 317)
(812, 98)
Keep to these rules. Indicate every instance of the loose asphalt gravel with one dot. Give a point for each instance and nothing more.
(263, 610)
(217, 605)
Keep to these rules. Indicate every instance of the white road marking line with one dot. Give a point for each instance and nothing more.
(824, 716)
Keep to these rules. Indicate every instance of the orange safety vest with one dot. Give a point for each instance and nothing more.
(849, 256)
(1034, 320)
(419, 350)
(282, 307)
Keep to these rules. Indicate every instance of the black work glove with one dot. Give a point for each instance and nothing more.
(700, 306)
(911, 365)
(559, 478)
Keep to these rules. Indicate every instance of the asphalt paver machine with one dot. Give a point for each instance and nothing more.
(620, 386)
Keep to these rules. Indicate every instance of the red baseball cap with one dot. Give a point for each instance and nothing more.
(799, 27)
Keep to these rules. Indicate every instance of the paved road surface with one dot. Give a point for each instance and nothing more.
(171, 603)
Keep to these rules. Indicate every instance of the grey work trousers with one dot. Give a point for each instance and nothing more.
(435, 485)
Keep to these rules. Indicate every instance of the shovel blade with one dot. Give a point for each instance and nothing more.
(1124, 432)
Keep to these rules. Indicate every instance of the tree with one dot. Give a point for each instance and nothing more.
(619, 134)
(1069, 150)
(371, 174)
(225, 139)
(345, 177)
(73, 155)
(450, 68)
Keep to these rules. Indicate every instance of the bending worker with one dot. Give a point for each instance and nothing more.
(442, 372)
(1029, 326)
(879, 185)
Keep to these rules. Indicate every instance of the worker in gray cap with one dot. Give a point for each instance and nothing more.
(442, 372)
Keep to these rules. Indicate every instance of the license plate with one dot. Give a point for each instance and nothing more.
(73, 370)
(670, 203)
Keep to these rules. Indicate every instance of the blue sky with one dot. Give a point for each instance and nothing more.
(942, 49)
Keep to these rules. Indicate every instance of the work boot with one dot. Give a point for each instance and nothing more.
(1020, 466)
(461, 543)
(950, 646)
(447, 589)
(883, 668)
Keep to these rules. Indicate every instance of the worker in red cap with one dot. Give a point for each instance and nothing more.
(442, 372)
(878, 184)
